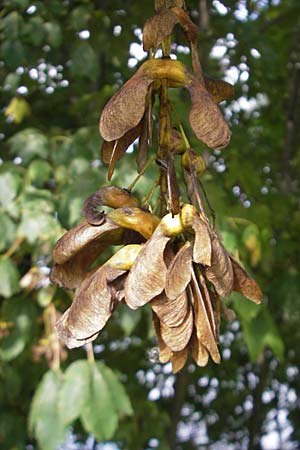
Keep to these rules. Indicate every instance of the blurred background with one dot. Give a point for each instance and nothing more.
(60, 61)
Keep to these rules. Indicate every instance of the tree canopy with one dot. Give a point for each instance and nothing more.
(60, 62)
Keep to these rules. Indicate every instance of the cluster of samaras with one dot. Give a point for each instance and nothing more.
(176, 263)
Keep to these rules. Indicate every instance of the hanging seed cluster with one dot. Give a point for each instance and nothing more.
(174, 260)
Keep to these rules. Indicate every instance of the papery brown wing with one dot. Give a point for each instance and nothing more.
(164, 352)
(171, 312)
(71, 274)
(163, 4)
(91, 308)
(207, 298)
(199, 352)
(244, 284)
(157, 28)
(179, 272)
(147, 276)
(111, 196)
(79, 237)
(202, 246)
(177, 338)
(220, 273)
(178, 360)
(228, 313)
(206, 119)
(122, 145)
(216, 304)
(219, 89)
(125, 109)
(202, 324)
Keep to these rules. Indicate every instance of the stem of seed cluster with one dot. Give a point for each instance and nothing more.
(50, 321)
(148, 164)
(149, 196)
(90, 353)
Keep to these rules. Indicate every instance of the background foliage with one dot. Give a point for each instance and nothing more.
(59, 64)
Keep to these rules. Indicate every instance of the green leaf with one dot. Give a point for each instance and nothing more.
(107, 400)
(45, 420)
(9, 277)
(9, 186)
(74, 393)
(6, 238)
(262, 332)
(84, 61)
(98, 415)
(129, 319)
(245, 309)
(12, 82)
(28, 144)
(12, 24)
(119, 396)
(39, 172)
(13, 53)
(20, 315)
(53, 33)
(12, 432)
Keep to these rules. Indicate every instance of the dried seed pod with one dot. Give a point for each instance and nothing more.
(202, 324)
(228, 313)
(193, 163)
(77, 249)
(164, 352)
(122, 144)
(176, 143)
(178, 360)
(206, 119)
(75, 240)
(171, 312)
(115, 150)
(135, 219)
(171, 225)
(125, 109)
(219, 89)
(220, 273)
(157, 28)
(177, 338)
(166, 69)
(199, 352)
(202, 245)
(147, 276)
(71, 273)
(124, 258)
(179, 272)
(111, 196)
(91, 308)
(161, 25)
(244, 284)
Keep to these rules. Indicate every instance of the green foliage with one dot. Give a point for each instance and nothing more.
(50, 151)
(44, 419)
